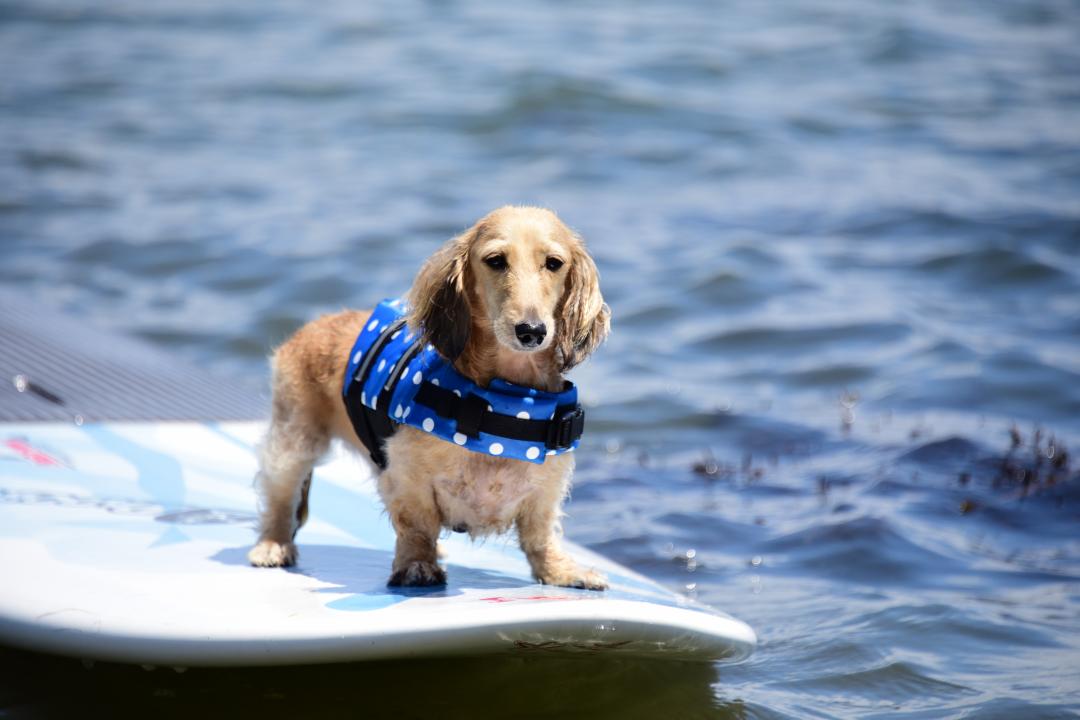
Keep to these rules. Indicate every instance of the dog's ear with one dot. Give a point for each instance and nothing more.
(586, 318)
(438, 300)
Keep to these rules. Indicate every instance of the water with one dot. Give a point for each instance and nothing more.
(839, 240)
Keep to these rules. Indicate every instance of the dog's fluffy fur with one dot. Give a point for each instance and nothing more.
(467, 305)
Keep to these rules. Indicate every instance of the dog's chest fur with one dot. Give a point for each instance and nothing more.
(484, 494)
(474, 492)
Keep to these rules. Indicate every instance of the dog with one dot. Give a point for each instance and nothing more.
(516, 297)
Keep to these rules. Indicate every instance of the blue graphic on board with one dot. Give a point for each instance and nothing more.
(363, 603)
(171, 536)
(160, 475)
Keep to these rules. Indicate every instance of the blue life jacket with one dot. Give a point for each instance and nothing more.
(393, 378)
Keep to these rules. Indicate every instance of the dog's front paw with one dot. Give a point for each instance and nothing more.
(268, 553)
(576, 578)
(418, 573)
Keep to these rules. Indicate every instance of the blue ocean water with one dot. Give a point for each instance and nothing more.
(842, 395)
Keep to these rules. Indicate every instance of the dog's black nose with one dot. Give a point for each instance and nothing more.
(530, 335)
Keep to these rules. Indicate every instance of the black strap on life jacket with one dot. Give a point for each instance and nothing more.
(373, 427)
(473, 417)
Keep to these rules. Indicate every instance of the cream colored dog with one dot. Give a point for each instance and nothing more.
(485, 301)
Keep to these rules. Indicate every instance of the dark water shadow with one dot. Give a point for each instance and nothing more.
(510, 686)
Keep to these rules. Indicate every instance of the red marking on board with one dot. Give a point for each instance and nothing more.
(503, 599)
(31, 454)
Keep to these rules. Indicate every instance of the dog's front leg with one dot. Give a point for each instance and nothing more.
(416, 521)
(539, 532)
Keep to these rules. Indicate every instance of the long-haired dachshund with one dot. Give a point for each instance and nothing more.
(516, 297)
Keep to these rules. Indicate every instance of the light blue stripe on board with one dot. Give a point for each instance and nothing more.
(159, 475)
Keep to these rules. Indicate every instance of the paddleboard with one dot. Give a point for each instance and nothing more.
(126, 540)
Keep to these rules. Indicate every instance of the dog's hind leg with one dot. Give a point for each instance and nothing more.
(291, 448)
(302, 508)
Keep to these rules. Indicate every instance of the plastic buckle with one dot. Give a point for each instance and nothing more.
(566, 429)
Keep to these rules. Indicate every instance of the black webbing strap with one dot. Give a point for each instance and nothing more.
(473, 417)
(372, 426)
(395, 375)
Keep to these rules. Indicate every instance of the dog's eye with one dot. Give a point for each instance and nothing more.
(553, 264)
(496, 262)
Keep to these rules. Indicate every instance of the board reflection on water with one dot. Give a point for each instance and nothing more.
(842, 395)
(499, 686)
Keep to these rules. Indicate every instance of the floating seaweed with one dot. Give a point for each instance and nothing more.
(1033, 466)
(712, 469)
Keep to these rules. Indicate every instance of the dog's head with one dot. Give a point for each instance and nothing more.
(521, 275)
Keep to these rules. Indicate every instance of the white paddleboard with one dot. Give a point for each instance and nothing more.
(128, 542)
